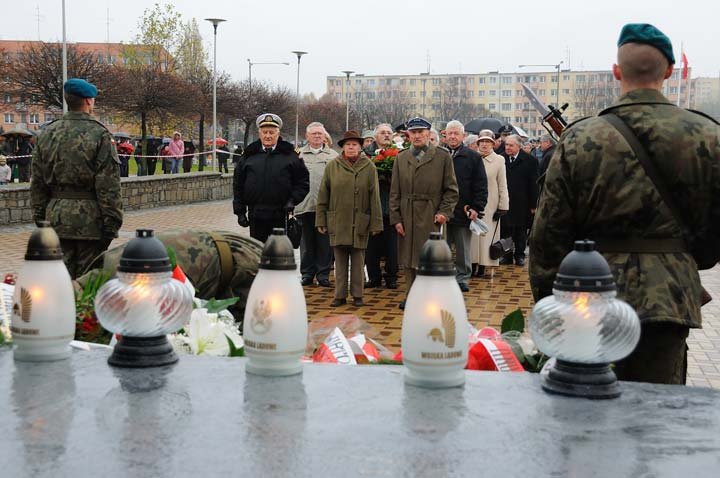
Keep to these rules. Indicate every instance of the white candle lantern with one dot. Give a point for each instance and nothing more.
(435, 326)
(43, 319)
(275, 323)
(143, 304)
(584, 326)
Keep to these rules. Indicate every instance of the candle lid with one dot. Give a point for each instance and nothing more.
(584, 270)
(145, 253)
(278, 252)
(44, 244)
(436, 258)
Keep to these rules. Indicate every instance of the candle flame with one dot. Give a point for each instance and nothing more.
(37, 293)
(581, 304)
(141, 287)
(277, 304)
(432, 309)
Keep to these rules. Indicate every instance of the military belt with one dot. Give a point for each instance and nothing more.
(641, 246)
(73, 195)
(226, 259)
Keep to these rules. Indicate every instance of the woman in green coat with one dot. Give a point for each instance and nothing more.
(348, 209)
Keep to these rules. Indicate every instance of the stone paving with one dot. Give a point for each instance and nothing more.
(489, 300)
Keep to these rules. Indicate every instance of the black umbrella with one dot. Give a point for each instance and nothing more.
(476, 125)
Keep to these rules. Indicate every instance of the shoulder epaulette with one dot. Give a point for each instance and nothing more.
(705, 115)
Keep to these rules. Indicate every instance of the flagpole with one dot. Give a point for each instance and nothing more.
(687, 82)
(679, 92)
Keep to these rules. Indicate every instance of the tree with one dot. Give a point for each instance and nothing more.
(36, 73)
(328, 111)
(246, 102)
(150, 84)
(593, 95)
(159, 37)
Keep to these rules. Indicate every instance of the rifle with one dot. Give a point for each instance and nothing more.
(552, 118)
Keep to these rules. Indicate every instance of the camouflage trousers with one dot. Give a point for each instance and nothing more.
(78, 255)
(660, 356)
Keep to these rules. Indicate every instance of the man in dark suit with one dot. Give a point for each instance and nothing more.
(522, 174)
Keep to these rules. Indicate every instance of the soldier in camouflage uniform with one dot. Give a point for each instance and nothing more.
(76, 180)
(596, 188)
(219, 264)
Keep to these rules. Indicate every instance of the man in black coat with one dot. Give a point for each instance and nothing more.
(473, 188)
(547, 146)
(269, 180)
(384, 244)
(522, 175)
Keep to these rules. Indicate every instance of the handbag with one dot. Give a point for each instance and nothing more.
(501, 247)
(293, 230)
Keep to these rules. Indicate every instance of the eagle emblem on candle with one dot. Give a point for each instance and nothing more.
(447, 335)
(23, 309)
(261, 321)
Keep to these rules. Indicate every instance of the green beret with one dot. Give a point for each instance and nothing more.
(80, 87)
(648, 35)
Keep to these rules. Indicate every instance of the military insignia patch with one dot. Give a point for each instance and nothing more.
(260, 321)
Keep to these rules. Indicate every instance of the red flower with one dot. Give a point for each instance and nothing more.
(89, 323)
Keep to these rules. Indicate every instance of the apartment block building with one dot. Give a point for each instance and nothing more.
(495, 94)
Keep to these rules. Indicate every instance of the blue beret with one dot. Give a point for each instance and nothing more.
(418, 123)
(81, 88)
(648, 35)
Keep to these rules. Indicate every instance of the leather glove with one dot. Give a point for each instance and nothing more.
(498, 214)
(243, 220)
(289, 206)
(105, 240)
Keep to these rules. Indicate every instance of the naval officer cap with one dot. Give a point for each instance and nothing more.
(80, 87)
(648, 35)
(268, 119)
(418, 123)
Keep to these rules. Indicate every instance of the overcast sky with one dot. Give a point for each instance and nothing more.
(393, 36)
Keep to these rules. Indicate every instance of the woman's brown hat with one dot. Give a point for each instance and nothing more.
(350, 135)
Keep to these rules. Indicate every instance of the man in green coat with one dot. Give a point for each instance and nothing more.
(423, 194)
(76, 180)
(596, 188)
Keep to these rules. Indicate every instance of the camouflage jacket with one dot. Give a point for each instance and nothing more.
(198, 256)
(75, 156)
(596, 188)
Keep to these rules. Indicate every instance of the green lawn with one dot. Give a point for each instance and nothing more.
(132, 167)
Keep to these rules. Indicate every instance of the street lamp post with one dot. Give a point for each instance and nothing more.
(215, 22)
(557, 86)
(64, 60)
(297, 96)
(251, 63)
(347, 98)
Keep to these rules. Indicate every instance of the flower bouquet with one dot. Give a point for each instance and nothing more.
(211, 331)
(384, 159)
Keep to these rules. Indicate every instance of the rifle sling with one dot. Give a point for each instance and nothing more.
(652, 174)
